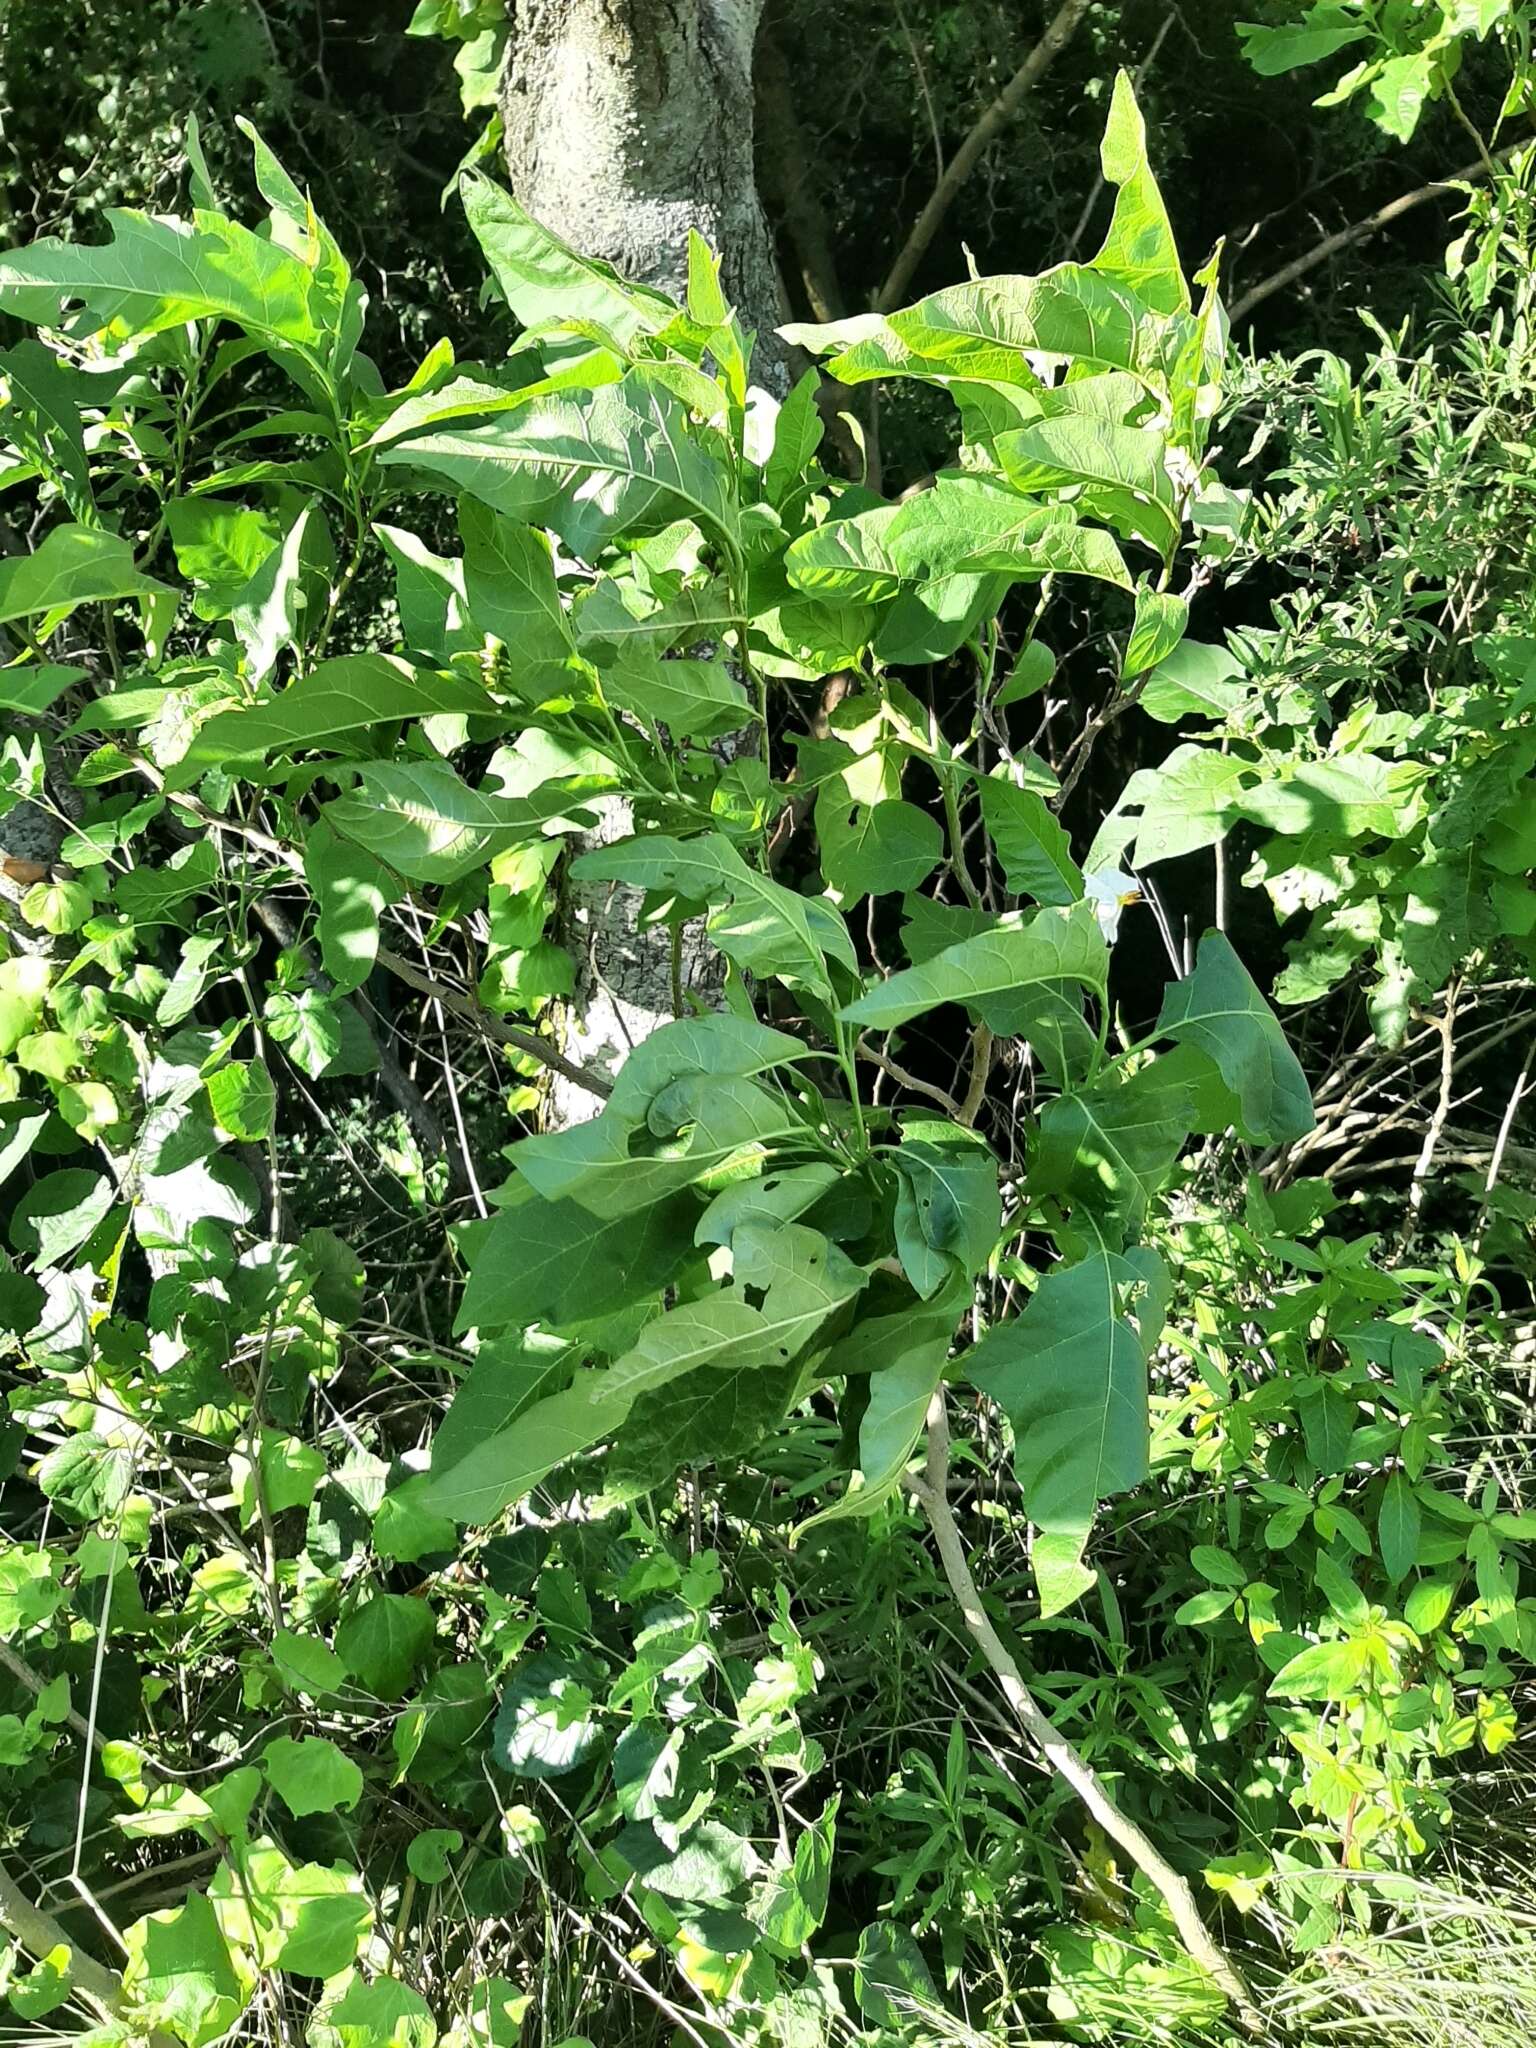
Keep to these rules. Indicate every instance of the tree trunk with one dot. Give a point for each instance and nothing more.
(628, 122)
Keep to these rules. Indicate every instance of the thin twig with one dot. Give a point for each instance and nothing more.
(1501, 1144)
(1059, 32)
(1346, 238)
(1447, 1027)
(495, 1027)
(932, 1493)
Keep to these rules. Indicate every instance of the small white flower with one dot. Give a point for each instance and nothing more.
(1109, 891)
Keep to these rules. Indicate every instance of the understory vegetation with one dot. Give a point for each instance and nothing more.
(978, 1489)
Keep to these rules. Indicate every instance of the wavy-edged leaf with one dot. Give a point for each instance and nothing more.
(620, 462)
(545, 281)
(72, 566)
(987, 330)
(556, 1263)
(694, 699)
(510, 587)
(1035, 851)
(428, 825)
(1049, 950)
(802, 1279)
(1139, 249)
(1070, 1373)
(756, 922)
(1119, 472)
(1219, 1010)
(347, 694)
(158, 272)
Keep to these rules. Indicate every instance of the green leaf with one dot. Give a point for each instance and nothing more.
(352, 890)
(265, 613)
(693, 699)
(157, 273)
(1120, 472)
(348, 694)
(1428, 1604)
(1322, 32)
(383, 2013)
(289, 1471)
(755, 922)
(891, 1981)
(1397, 1528)
(1186, 804)
(548, 283)
(1155, 632)
(621, 462)
(72, 566)
(556, 1263)
(383, 1642)
(1036, 963)
(797, 434)
(1035, 666)
(1191, 678)
(1201, 1608)
(219, 545)
(948, 1204)
(707, 1419)
(1399, 91)
(1112, 1147)
(430, 596)
(311, 1775)
(793, 1902)
(913, 1348)
(802, 1279)
(1344, 1597)
(1035, 852)
(1070, 1373)
(1219, 1566)
(308, 1026)
(989, 328)
(243, 1099)
(1139, 250)
(1218, 1009)
(872, 849)
(1324, 1671)
(509, 582)
(304, 1919)
(545, 1725)
(705, 1868)
(428, 825)
(429, 1855)
(306, 1664)
(181, 1974)
(35, 689)
(930, 550)
(689, 1079)
(408, 1532)
(40, 399)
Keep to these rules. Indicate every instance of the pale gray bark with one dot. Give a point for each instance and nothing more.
(628, 122)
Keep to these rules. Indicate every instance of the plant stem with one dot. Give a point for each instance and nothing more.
(1061, 1755)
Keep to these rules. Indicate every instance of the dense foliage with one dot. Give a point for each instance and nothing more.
(470, 1577)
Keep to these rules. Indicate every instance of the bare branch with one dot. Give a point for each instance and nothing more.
(1062, 28)
(1346, 238)
(1063, 1757)
(495, 1027)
